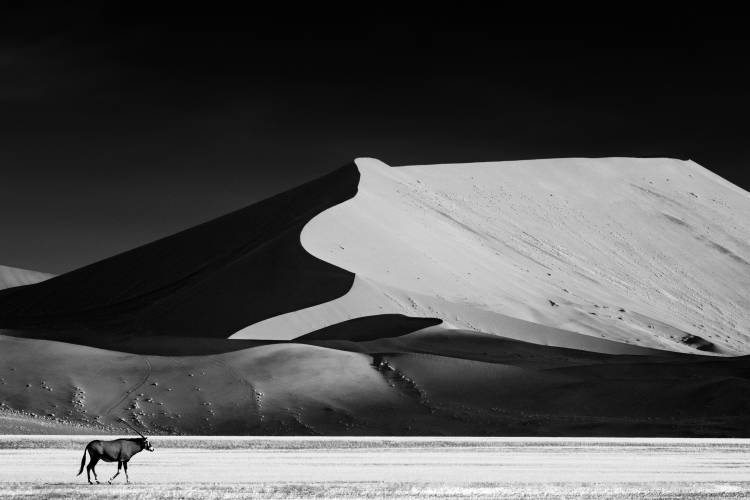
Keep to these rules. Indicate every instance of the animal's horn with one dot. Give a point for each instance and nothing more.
(136, 430)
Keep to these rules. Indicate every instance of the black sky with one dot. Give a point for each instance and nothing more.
(122, 125)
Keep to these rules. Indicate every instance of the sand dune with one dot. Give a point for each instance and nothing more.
(661, 261)
(574, 296)
(13, 276)
(426, 383)
(270, 389)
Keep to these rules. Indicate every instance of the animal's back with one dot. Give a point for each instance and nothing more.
(108, 451)
(95, 445)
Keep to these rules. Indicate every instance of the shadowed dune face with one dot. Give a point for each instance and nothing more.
(358, 329)
(155, 345)
(208, 281)
(370, 328)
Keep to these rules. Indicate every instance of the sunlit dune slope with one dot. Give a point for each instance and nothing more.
(651, 252)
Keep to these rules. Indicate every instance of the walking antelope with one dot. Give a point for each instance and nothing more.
(118, 450)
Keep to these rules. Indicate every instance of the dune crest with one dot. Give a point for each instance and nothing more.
(207, 281)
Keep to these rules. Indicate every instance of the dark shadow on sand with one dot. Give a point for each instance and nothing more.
(368, 328)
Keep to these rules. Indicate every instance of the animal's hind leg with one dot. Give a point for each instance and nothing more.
(127, 479)
(119, 466)
(92, 464)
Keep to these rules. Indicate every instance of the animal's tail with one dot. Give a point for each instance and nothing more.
(83, 461)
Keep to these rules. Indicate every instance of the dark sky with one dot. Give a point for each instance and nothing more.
(121, 126)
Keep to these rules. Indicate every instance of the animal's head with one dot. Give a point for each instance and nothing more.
(145, 445)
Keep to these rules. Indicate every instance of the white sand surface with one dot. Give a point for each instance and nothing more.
(400, 468)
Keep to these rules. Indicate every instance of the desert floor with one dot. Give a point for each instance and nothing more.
(219, 467)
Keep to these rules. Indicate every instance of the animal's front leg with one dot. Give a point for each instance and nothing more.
(119, 465)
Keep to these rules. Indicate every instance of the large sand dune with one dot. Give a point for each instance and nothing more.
(651, 252)
(647, 252)
(575, 296)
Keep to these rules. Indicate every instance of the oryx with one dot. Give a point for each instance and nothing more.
(119, 450)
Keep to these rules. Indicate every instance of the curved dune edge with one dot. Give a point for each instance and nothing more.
(362, 299)
(207, 281)
(536, 241)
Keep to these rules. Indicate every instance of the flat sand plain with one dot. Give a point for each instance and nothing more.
(287, 467)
